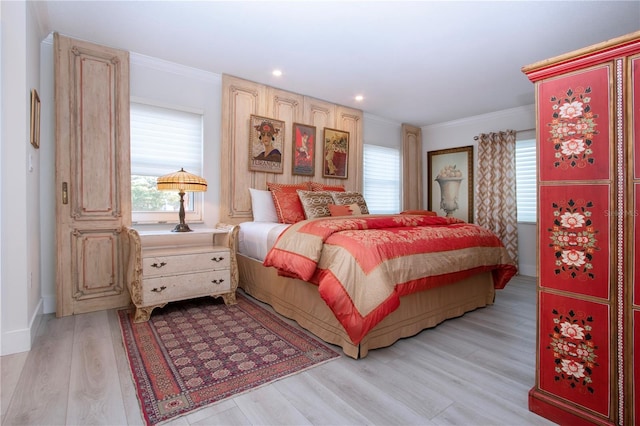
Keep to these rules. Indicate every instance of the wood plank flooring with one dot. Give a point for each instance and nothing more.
(472, 370)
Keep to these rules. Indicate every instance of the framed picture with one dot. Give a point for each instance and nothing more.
(336, 153)
(35, 118)
(450, 174)
(304, 150)
(266, 143)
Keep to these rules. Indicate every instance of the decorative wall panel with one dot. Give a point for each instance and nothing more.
(241, 99)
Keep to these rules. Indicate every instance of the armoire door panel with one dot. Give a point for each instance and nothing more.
(574, 249)
(635, 245)
(93, 163)
(574, 354)
(635, 114)
(574, 127)
(635, 368)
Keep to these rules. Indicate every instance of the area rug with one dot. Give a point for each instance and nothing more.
(192, 354)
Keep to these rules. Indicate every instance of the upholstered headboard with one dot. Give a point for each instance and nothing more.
(240, 100)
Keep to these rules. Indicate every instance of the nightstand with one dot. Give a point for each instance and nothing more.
(165, 266)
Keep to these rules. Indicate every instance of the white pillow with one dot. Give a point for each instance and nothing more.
(262, 206)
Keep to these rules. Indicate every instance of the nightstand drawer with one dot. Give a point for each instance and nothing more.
(185, 286)
(153, 266)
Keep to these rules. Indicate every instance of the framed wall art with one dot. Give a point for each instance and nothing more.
(336, 153)
(35, 119)
(450, 173)
(266, 144)
(304, 150)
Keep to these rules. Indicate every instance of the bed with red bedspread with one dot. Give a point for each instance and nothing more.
(364, 265)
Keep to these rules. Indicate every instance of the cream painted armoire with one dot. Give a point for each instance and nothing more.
(588, 136)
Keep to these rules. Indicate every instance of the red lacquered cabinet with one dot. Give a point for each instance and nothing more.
(588, 144)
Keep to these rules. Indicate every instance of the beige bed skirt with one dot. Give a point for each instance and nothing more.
(300, 301)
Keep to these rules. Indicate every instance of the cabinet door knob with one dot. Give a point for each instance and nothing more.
(158, 290)
(158, 265)
(217, 259)
(217, 282)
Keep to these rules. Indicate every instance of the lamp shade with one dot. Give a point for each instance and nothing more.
(181, 181)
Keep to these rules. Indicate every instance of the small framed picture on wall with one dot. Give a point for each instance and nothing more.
(304, 150)
(336, 153)
(266, 142)
(450, 174)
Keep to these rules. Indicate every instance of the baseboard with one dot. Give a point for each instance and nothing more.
(527, 270)
(16, 341)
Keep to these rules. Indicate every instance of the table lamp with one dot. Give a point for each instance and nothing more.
(182, 182)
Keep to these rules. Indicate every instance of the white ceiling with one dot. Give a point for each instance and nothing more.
(417, 62)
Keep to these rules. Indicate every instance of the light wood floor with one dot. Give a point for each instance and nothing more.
(472, 370)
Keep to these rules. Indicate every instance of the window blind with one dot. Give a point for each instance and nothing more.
(382, 179)
(164, 140)
(526, 191)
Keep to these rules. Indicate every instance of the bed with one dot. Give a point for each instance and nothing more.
(418, 297)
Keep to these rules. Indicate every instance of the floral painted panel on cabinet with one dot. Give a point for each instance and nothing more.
(574, 238)
(574, 351)
(574, 126)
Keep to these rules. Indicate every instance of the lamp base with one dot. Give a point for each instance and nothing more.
(181, 227)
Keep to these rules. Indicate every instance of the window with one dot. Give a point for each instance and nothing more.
(526, 192)
(382, 179)
(163, 140)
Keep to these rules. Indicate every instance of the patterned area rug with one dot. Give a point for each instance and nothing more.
(195, 353)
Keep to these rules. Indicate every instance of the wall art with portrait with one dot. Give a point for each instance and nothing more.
(336, 153)
(266, 144)
(304, 150)
(450, 174)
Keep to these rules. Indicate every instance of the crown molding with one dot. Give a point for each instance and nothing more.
(172, 67)
(517, 111)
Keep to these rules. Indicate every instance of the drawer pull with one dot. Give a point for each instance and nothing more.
(217, 259)
(158, 290)
(217, 282)
(158, 265)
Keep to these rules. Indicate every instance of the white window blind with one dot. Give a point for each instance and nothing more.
(526, 191)
(382, 179)
(163, 140)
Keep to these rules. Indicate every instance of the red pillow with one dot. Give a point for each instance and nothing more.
(422, 212)
(289, 187)
(344, 210)
(288, 206)
(316, 186)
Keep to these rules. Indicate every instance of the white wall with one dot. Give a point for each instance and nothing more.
(461, 133)
(19, 180)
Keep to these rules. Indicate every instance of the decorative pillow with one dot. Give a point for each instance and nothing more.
(262, 206)
(422, 212)
(289, 187)
(317, 186)
(350, 197)
(288, 206)
(346, 210)
(315, 203)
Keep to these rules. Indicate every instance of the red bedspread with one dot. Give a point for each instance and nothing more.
(363, 264)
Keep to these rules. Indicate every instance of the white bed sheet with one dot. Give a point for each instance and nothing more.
(255, 239)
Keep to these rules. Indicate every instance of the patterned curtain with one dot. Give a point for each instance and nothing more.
(496, 187)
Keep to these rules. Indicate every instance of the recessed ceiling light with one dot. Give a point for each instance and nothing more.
(359, 98)
(277, 73)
